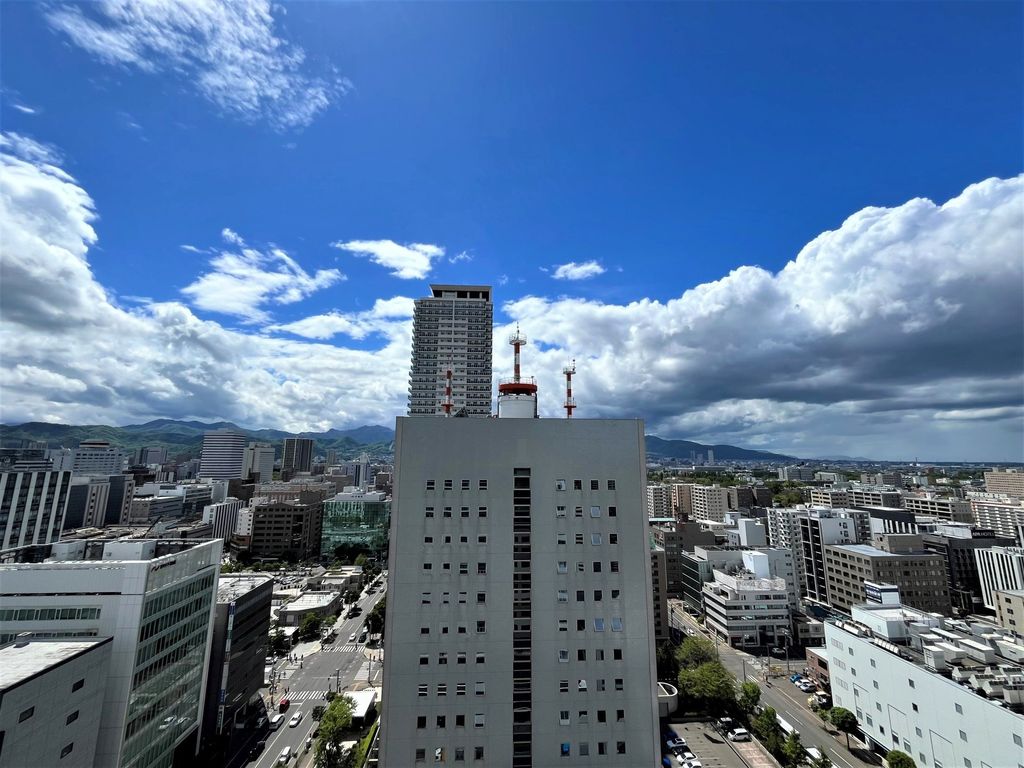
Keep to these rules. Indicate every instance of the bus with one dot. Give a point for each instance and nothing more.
(786, 727)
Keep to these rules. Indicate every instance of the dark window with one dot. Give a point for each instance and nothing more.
(421, 721)
(26, 714)
(611, 512)
(595, 485)
(78, 686)
(67, 750)
(71, 718)
(617, 654)
(460, 721)
(577, 485)
(611, 485)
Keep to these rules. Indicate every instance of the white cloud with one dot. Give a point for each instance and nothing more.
(412, 261)
(192, 248)
(242, 282)
(25, 109)
(31, 150)
(461, 256)
(574, 271)
(388, 316)
(229, 51)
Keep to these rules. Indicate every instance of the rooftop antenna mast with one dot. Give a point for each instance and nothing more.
(570, 403)
(518, 341)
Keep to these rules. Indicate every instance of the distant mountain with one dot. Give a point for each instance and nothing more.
(681, 449)
(185, 438)
(839, 457)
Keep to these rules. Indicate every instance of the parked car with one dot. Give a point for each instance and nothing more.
(796, 677)
(296, 719)
(693, 764)
(675, 744)
(283, 705)
(724, 724)
(807, 686)
(739, 734)
(257, 750)
(823, 699)
(285, 756)
(275, 722)
(778, 651)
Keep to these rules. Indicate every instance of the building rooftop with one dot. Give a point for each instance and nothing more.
(20, 662)
(311, 600)
(864, 549)
(231, 588)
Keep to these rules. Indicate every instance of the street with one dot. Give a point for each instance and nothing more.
(789, 702)
(306, 683)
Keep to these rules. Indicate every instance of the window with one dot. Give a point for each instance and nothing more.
(428, 539)
(481, 598)
(424, 598)
(440, 721)
(67, 750)
(478, 753)
(446, 597)
(910, 682)
(577, 485)
(595, 511)
(78, 685)
(963, 736)
(581, 654)
(460, 689)
(614, 566)
(447, 512)
(611, 511)
(1017, 740)
(26, 714)
(422, 690)
(580, 595)
(460, 721)
(428, 566)
(560, 511)
(579, 538)
(600, 654)
(578, 512)
(442, 689)
(595, 539)
(563, 566)
(560, 539)
(559, 485)
(481, 511)
(597, 566)
(618, 683)
(481, 627)
(463, 569)
(611, 485)
(563, 595)
(71, 718)
(615, 594)
(460, 754)
(598, 594)
(602, 748)
(442, 658)
(481, 568)
(421, 753)
(565, 749)
(465, 485)
(580, 566)
(464, 511)
(446, 566)
(421, 721)
(600, 685)
(584, 749)
(563, 717)
(613, 538)
(958, 708)
(464, 539)
(447, 539)
(563, 655)
(460, 657)
(601, 716)
(581, 685)
(447, 485)
(581, 625)
(563, 625)
(430, 485)
(616, 623)
(581, 716)
(480, 688)
(563, 686)
(620, 715)
(424, 660)
(620, 747)
(483, 485)
(617, 654)
(481, 658)
(599, 625)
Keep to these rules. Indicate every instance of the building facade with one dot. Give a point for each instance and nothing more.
(520, 613)
(999, 569)
(223, 456)
(155, 599)
(51, 698)
(709, 503)
(1002, 513)
(956, 544)
(1008, 481)
(452, 328)
(289, 529)
(944, 508)
(1010, 609)
(33, 500)
(658, 501)
(298, 455)
(223, 516)
(88, 498)
(747, 611)
(259, 462)
(355, 517)
(91, 457)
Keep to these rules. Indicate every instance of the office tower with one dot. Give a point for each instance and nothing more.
(259, 461)
(155, 599)
(33, 499)
(298, 455)
(795, 473)
(658, 497)
(285, 528)
(223, 455)
(452, 329)
(520, 615)
(88, 498)
(944, 694)
(957, 545)
(51, 697)
(711, 455)
(223, 516)
(999, 568)
(91, 457)
(332, 457)
(238, 647)
(1008, 481)
(119, 500)
(355, 517)
(818, 529)
(709, 503)
(154, 455)
(899, 559)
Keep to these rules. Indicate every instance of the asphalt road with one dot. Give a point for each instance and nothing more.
(343, 663)
(787, 700)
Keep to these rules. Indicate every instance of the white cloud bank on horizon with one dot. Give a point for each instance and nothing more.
(229, 51)
(896, 334)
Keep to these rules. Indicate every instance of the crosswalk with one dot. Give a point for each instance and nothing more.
(346, 648)
(294, 696)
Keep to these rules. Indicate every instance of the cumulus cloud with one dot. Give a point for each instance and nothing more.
(229, 51)
(388, 316)
(241, 283)
(409, 262)
(574, 271)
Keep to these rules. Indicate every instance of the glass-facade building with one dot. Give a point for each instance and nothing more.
(355, 517)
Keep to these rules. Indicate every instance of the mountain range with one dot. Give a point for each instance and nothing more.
(186, 437)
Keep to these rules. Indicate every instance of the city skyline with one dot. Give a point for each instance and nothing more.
(827, 263)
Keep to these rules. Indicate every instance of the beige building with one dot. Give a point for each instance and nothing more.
(1010, 609)
(919, 574)
(658, 501)
(857, 498)
(681, 500)
(659, 579)
(944, 508)
(709, 502)
(1010, 481)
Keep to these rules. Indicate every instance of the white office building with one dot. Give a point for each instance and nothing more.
(452, 328)
(223, 516)
(796, 474)
(944, 508)
(223, 456)
(155, 599)
(91, 457)
(51, 699)
(259, 459)
(999, 568)
(520, 612)
(1002, 513)
(747, 610)
(33, 500)
(947, 693)
(659, 503)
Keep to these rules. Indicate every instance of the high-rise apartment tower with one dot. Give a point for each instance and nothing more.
(452, 330)
(223, 456)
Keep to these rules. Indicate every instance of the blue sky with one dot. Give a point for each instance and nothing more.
(656, 148)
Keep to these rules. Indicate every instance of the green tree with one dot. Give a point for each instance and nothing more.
(360, 560)
(334, 725)
(668, 665)
(844, 720)
(767, 728)
(897, 759)
(279, 643)
(375, 618)
(710, 688)
(309, 629)
(822, 714)
(694, 651)
(822, 762)
(750, 695)
(793, 753)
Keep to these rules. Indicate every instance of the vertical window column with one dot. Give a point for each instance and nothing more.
(522, 612)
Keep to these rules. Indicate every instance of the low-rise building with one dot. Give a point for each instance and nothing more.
(145, 509)
(1010, 609)
(945, 692)
(747, 611)
(51, 699)
(322, 604)
(945, 508)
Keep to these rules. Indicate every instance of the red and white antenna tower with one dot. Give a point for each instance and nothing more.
(448, 389)
(517, 397)
(517, 340)
(570, 403)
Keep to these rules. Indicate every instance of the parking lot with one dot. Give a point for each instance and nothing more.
(713, 750)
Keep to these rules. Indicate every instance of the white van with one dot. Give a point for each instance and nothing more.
(275, 722)
(285, 756)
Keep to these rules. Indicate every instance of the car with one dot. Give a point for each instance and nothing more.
(352, 637)
(257, 750)
(724, 724)
(796, 677)
(685, 754)
(296, 719)
(285, 756)
(676, 743)
(823, 699)
(693, 764)
(309, 744)
(807, 686)
(778, 651)
(275, 722)
(739, 734)
(283, 705)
